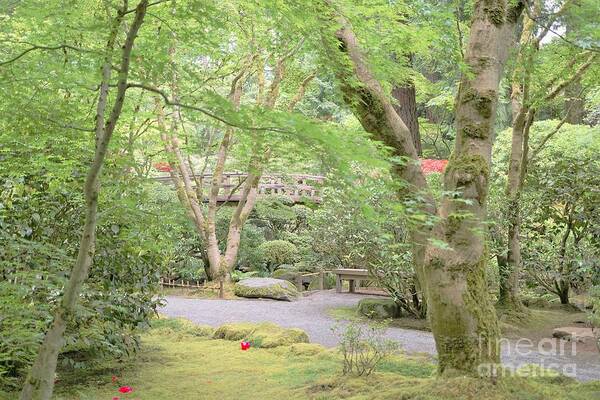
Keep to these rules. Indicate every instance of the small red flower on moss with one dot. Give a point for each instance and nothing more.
(114, 379)
(116, 398)
(125, 389)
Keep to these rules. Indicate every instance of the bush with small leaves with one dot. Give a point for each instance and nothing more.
(363, 347)
(277, 252)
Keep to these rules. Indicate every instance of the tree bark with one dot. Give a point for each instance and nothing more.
(462, 316)
(563, 283)
(406, 108)
(574, 103)
(39, 384)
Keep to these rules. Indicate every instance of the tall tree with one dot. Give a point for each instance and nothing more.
(462, 316)
(40, 381)
(190, 186)
(524, 106)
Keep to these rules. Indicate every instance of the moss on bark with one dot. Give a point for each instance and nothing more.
(481, 101)
(467, 336)
(476, 130)
(495, 11)
(479, 305)
(467, 167)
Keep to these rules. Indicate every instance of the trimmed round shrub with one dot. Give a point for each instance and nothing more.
(276, 252)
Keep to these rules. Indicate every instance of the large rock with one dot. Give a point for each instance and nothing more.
(270, 288)
(574, 334)
(289, 274)
(379, 308)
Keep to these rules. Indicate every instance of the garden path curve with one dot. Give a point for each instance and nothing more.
(310, 313)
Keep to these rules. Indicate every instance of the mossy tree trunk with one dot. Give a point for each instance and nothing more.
(461, 313)
(39, 384)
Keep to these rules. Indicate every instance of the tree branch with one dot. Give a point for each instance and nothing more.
(559, 88)
(39, 47)
(301, 91)
(204, 111)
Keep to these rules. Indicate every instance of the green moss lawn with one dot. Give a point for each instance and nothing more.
(181, 361)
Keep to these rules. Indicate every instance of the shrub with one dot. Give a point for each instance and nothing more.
(237, 276)
(251, 238)
(559, 216)
(362, 225)
(191, 269)
(37, 253)
(277, 252)
(364, 347)
(265, 335)
(276, 215)
(395, 273)
(378, 308)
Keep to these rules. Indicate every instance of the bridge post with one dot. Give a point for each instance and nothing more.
(321, 280)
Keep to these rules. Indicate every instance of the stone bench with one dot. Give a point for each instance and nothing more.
(351, 275)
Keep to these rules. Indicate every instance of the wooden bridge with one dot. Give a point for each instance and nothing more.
(299, 188)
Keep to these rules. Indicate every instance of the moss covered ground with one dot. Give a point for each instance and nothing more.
(181, 361)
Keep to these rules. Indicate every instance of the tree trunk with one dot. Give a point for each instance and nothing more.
(563, 291)
(218, 268)
(462, 316)
(407, 110)
(574, 103)
(39, 384)
(563, 283)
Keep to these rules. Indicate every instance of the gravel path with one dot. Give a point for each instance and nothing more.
(310, 314)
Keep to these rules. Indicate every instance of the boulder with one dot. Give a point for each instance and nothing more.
(574, 334)
(379, 308)
(270, 288)
(288, 274)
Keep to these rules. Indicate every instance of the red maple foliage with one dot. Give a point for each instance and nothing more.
(429, 165)
(162, 166)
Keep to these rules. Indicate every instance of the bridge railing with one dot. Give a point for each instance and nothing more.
(298, 187)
